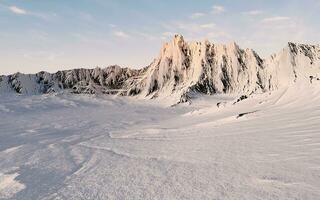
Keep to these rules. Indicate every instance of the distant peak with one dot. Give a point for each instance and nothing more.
(178, 38)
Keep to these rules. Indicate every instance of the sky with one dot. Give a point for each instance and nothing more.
(52, 35)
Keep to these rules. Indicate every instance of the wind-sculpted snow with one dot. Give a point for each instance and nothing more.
(182, 70)
(63, 146)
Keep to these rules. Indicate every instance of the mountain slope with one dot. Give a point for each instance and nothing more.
(296, 62)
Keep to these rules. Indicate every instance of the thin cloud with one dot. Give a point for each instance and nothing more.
(146, 36)
(45, 55)
(120, 34)
(18, 11)
(219, 35)
(275, 19)
(216, 9)
(207, 26)
(253, 12)
(197, 15)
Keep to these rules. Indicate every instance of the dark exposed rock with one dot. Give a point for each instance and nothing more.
(246, 113)
(241, 98)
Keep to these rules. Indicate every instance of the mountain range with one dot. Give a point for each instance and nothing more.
(182, 70)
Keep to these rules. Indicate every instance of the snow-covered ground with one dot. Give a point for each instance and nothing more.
(66, 146)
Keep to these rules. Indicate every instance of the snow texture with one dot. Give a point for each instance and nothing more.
(64, 146)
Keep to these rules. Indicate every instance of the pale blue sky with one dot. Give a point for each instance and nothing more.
(52, 35)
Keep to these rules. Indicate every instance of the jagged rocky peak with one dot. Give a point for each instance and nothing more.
(203, 67)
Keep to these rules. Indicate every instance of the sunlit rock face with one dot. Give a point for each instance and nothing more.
(203, 67)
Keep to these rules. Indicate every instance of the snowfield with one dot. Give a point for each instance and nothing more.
(64, 146)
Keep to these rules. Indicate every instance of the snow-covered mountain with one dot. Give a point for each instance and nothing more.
(201, 67)
(296, 62)
(109, 80)
(181, 69)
